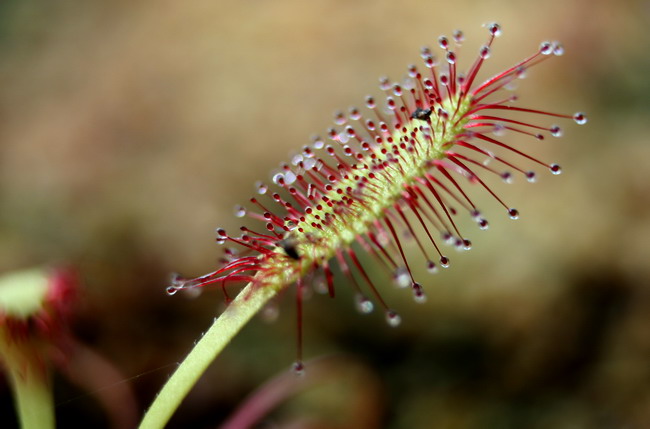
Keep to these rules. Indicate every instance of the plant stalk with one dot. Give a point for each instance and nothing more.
(34, 402)
(249, 301)
(30, 383)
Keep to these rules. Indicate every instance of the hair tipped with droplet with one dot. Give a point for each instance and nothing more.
(393, 169)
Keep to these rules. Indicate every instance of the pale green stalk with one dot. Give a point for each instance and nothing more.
(30, 385)
(22, 295)
(33, 397)
(249, 301)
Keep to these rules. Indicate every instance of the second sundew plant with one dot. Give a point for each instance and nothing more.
(399, 166)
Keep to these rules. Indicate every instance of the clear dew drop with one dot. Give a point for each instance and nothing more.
(320, 285)
(418, 293)
(556, 169)
(514, 213)
(230, 253)
(222, 237)
(485, 52)
(296, 159)
(531, 176)
(193, 292)
(506, 176)
(521, 72)
(309, 163)
(240, 211)
(494, 29)
(556, 131)
(432, 268)
(318, 143)
(580, 118)
(343, 137)
(278, 178)
(383, 238)
(355, 115)
(444, 261)
(458, 36)
(401, 277)
(458, 244)
(483, 224)
(270, 313)
(298, 368)
(499, 130)
(339, 118)
(467, 244)
(363, 304)
(512, 86)
(393, 319)
(384, 83)
(171, 290)
(546, 48)
(261, 188)
(558, 49)
(289, 177)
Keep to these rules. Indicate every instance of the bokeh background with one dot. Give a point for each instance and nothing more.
(129, 130)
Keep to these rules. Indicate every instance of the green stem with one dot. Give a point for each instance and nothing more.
(29, 381)
(33, 400)
(249, 301)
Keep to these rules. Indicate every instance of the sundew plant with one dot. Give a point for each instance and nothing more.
(402, 164)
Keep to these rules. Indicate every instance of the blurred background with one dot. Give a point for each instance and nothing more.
(129, 130)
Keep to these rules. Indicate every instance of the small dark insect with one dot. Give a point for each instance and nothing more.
(421, 114)
(289, 247)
